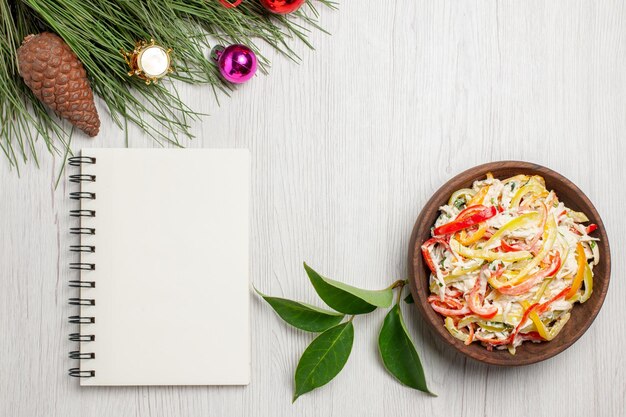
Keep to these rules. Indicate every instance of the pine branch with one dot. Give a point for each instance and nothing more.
(96, 31)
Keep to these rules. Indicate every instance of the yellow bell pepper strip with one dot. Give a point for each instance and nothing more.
(581, 258)
(544, 332)
(525, 220)
(543, 288)
(467, 240)
(487, 254)
(518, 178)
(531, 188)
(465, 193)
(558, 326)
(456, 333)
(456, 275)
(478, 197)
(523, 246)
(549, 236)
(468, 217)
(578, 216)
(541, 328)
(460, 272)
(525, 286)
(588, 280)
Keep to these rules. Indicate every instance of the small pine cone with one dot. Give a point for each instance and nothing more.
(56, 76)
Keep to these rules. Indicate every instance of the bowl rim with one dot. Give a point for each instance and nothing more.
(416, 262)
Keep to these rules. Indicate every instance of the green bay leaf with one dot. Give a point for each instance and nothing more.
(301, 315)
(346, 298)
(398, 352)
(324, 358)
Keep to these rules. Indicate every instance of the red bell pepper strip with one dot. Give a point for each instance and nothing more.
(506, 247)
(449, 301)
(468, 217)
(531, 281)
(591, 228)
(426, 251)
(544, 307)
(523, 320)
(454, 293)
(448, 312)
(475, 301)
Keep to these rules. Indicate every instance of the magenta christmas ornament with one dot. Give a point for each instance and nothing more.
(237, 63)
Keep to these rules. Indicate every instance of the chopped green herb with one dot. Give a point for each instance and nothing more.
(460, 202)
(440, 284)
(512, 186)
(592, 244)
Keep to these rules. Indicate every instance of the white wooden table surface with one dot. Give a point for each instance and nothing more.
(346, 149)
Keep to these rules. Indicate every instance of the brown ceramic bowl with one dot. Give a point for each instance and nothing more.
(582, 314)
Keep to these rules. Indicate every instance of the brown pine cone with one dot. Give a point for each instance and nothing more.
(56, 76)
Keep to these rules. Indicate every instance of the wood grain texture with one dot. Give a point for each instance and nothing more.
(582, 314)
(346, 150)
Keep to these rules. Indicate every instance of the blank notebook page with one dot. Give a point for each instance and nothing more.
(171, 294)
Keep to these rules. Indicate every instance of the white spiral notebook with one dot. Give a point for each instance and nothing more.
(162, 296)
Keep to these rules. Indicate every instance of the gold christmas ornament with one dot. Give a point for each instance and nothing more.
(148, 61)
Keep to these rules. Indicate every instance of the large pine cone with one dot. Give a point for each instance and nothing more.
(56, 76)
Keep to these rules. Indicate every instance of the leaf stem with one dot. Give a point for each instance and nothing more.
(399, 294)
(398, 283)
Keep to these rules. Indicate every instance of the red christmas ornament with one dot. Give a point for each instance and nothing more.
(282, 6)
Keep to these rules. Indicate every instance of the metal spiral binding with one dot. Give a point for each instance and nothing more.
(77, 337)
(80, 160)
(82, 266)
(82, 284)
(82, 213)
(83, 248)
(77, 373)
(82, 231)
(77, 354)
(81, 320)
(82, 302)
(82, 178)
(82, 195)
